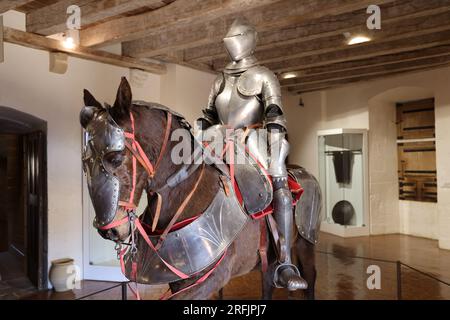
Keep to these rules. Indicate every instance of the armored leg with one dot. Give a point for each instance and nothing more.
(286, 274)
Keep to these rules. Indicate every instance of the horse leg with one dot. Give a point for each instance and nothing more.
(306, 257)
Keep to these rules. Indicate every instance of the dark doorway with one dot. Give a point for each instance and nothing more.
(23, 204)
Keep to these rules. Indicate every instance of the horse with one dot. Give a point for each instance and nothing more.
(150, 126)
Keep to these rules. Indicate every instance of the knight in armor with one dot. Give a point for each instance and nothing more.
(246, 94)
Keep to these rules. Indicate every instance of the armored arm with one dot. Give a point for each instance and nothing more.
(273, 107)
(210, 116)
(275, 123)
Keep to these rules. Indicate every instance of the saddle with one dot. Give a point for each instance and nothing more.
(244, 166)
(255, 185)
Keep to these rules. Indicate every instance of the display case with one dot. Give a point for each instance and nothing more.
(343, 176)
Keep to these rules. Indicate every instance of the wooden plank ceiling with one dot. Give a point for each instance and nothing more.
(306, 38)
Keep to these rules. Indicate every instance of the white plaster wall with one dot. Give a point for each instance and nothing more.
(349, 107)
(303, 124)
(384, 195)
(186, 90)
(419, 219)
(442, 102)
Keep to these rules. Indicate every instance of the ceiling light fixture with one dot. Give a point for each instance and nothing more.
(289, 75)
(69, 43)
(358, 40)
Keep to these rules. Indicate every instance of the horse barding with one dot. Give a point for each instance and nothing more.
(207, 220)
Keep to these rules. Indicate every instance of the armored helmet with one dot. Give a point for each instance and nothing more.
(240, 41)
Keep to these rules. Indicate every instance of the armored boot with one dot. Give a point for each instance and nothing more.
(286, 274)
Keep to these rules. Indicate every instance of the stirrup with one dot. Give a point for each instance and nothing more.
(277, 272)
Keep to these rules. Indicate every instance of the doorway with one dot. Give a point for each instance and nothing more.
(23, 204)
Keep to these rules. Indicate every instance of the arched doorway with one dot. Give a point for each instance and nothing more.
(23, 201)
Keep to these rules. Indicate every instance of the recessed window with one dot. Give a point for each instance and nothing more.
(416, 147)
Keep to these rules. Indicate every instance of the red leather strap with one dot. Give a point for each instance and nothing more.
(231, 151)
(263, 245)
(122, 266)
(166, 140)
(175, 227)
(180, 210)
(143, 160)
(158, 212)
(147, 239)
(169, 295)
(114, 224)
(127, 205)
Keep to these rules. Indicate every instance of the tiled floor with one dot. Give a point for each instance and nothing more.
(342, 269)
(13, 282)
(342, 272)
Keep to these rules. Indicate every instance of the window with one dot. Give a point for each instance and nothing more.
(416, 147)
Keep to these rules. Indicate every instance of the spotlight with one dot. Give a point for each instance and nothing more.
(69, 43)
(358, 40)
(289, 75)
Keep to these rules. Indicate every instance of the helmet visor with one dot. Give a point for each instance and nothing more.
(240, 46)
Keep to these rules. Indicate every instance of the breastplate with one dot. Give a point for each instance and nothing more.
(235, 109)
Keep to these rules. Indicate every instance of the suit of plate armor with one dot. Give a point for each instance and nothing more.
(246, 94)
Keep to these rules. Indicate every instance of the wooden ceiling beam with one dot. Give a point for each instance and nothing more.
(52, 19)
(179, 14)
(177, 58)
(358, 52)
(364, 78)
(6, 5)
(270, 17)
(396, 31)
(369, 71)
(352, 22)
(356, 65)
(43, 43)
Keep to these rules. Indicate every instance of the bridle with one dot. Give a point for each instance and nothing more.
(138, 155)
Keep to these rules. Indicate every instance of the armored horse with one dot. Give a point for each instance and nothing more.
(195, 233)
